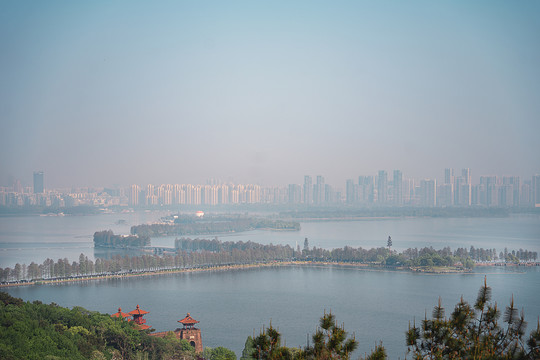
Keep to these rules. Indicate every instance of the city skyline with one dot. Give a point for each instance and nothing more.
(455, 190)
(100, 93)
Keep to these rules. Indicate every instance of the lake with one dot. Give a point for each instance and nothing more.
(374, 305)
(36, 238)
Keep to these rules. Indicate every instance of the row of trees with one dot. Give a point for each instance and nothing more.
(202, 252)
(62, 268)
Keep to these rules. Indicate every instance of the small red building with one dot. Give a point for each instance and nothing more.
(188, 332)
(138, 314)
(121, 315)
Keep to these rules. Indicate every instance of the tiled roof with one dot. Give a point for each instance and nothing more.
(138, 311)
(188, 320)
(120, 314)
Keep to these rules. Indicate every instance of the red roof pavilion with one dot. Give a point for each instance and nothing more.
(121, 314)
(188, 321)
(138, 314)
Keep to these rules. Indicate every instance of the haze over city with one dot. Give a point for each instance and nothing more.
(100, 93)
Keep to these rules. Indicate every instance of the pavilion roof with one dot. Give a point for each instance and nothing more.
(141, 327)
(188, 320)
(120, 314)
(138, 311)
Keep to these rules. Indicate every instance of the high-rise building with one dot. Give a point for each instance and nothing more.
(39, 187)
(466, 175)
(513, 184)
(351, 192)
(398, 188)
(489, 191)
(294, 193)
(382, 187)
(308, 190)
(536, 190)
(428, 192)
(318, 190)
(449, 176)
(134, 195)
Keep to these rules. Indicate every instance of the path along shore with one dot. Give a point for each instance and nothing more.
(372, 267)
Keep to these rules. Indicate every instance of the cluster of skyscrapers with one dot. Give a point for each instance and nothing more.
(456, 189)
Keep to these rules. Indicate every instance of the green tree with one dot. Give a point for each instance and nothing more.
(219, 353)
(330, 341)
(267, 346)
(249, 348)
(473, 332)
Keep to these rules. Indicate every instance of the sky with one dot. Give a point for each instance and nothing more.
(98, 93)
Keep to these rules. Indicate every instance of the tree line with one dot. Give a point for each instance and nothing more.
(192, 253)
(212, 226)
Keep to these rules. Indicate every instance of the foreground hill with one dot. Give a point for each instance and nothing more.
(39, 331)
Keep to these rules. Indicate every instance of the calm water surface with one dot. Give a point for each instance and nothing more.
(376, 306)
(231, 305)
(36, 238)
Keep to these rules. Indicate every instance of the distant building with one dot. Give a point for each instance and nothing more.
(294, 193)
(382, 187)
(38, 182)
(428, 192)
(397, 198)
(536, 190)
(318, 191)
(308, 190)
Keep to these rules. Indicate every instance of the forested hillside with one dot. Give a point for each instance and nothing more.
(33, 330)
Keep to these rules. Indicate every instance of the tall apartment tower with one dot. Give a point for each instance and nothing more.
(536, 190)
(428, 192)
(351, 191)
(308, 190)
(466, 174)
(318, 190)
(294, 193)
(382, 187)
(134, 191)
(366, 189)
(398, 188)
(449, 176)
(38, 182)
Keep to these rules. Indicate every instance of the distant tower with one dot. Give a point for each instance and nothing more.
(138, 314)
(308, 190)
(398, 188)
(382, 187)
(38, 182)
(318, 193)
(190, 333)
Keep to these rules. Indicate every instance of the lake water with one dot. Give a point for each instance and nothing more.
(374, 305)
(36, 238)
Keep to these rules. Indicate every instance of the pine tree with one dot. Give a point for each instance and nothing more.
(473, 332)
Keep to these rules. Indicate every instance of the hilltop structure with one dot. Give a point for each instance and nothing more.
(138, 314)
(188, 332)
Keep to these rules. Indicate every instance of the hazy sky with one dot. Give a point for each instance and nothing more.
(120, 92)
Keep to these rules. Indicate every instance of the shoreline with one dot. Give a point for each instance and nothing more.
(363, 266)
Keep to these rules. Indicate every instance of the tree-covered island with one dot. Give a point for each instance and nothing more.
(108, 239)
(182, 225)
